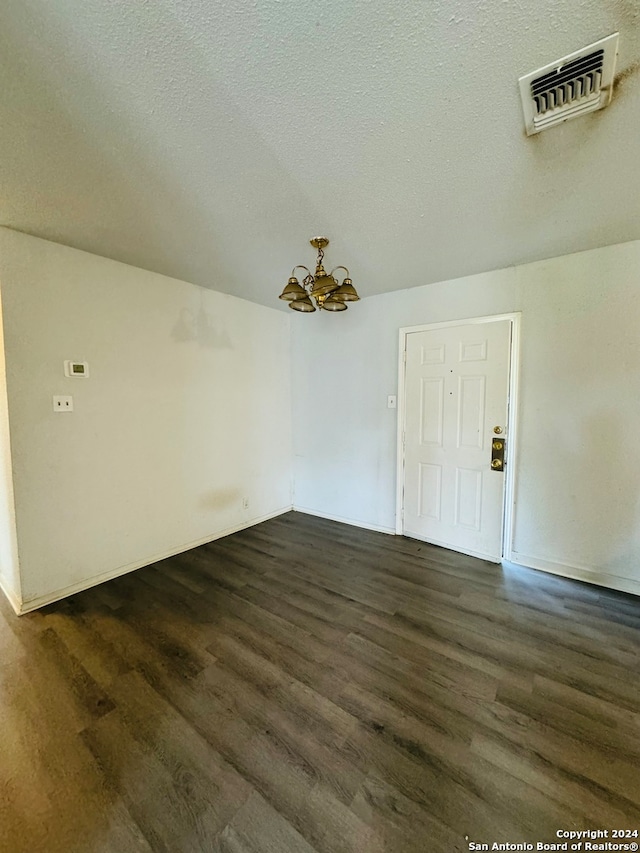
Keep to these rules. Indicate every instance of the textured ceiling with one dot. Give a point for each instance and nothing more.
(210, 140)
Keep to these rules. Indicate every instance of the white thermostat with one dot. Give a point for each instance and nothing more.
(77, 369)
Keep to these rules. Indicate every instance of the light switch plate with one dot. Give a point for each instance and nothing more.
(392, 401)
(62, 403)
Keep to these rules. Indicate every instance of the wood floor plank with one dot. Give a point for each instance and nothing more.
(401, 823)
(53, 796)
(304, 686)
(164, 807)
(258, 828)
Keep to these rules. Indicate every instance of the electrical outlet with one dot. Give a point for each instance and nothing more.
(63, 403)
(245, 503)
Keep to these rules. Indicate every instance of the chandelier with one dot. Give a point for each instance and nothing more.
(321, 287)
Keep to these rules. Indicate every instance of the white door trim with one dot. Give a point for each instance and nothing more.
(511, 455)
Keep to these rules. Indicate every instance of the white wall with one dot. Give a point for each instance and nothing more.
(577, 506)
(9, 568)
(186, 412)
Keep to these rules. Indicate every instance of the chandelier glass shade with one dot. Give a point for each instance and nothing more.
(319, 290)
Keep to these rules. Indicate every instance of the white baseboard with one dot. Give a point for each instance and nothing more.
(12, 598)
(50, 598)
(353, 522)
(579, 573)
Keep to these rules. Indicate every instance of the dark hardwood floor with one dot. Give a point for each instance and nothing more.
(307, 686)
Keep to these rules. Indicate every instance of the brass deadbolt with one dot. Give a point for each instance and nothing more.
(497, 430)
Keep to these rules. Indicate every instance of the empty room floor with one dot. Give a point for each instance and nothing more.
(308, 686)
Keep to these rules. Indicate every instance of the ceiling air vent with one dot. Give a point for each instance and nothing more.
(568, 88)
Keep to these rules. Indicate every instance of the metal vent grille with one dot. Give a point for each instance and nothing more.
(577, 84)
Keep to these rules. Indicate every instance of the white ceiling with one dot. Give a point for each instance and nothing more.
(210, 140)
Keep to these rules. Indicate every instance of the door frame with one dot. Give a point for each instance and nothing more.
(508, 505)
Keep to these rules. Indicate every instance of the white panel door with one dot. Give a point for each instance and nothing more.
(456, 393)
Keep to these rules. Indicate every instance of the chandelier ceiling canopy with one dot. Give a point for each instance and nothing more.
(320, 287)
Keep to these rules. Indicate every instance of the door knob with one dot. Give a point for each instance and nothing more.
(498, 445)
(496, 464)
